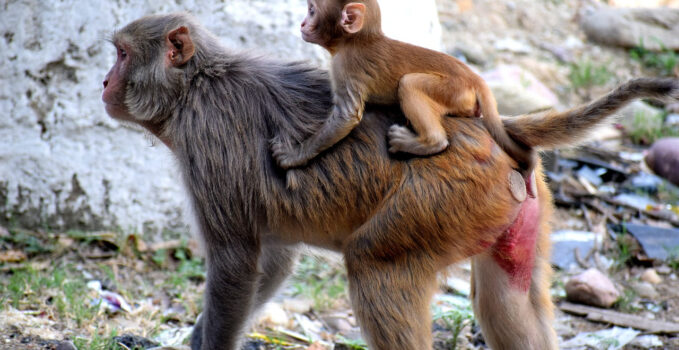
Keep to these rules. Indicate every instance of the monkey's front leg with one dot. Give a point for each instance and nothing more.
(232, 279)
(346, 114)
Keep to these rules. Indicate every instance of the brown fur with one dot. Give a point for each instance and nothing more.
(396, 220)
(370, 67)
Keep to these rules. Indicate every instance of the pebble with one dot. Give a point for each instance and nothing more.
(651, 276)
(66, 345)
(272, 314)
(645, 290)
(298, 306)
(664, 270)
(663, 158)
(592, 288)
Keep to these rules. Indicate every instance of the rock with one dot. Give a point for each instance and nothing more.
(592, 288)
(664, 270)
(645, 290)
(512, 45)
(663, 158)
(297, 305)
(66, 345)
(651, 276)
(338, 323)
(627, 27)
(64, 162)
(517, 91)
(272, 314)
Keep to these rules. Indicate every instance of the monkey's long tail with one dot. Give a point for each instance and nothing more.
(523, 154)
(552, 129)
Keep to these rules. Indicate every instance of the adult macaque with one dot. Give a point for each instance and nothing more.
(397, 222)
(367, 66)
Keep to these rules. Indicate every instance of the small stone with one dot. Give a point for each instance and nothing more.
(663, 159)
(645, 290)
(338, 323)
(627, 27)
(66, 345)
(651, 276)
(298, 306)
(272, 314)
(664, 270)
(592, 288)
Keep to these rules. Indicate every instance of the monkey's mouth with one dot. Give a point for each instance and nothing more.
(117, 111)
(306, 36)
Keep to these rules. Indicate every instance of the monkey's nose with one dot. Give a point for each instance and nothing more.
(105, 83)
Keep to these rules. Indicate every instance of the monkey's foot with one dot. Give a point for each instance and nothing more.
(287, 156)
(401, 139)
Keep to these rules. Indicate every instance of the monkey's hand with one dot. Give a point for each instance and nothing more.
(286, 155)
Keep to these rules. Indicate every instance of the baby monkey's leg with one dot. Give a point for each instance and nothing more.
(425, 99)
(423, 113)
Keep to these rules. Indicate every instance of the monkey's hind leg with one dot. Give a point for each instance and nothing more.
(510, 283)
(425, 115)
(391, 298)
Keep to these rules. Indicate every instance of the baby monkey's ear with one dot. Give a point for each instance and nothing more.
(353, 15)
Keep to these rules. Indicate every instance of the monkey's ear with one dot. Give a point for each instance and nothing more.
(179, 46)
(353, 15)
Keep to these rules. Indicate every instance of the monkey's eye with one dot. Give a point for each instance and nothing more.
(312, 10)
(123, 53)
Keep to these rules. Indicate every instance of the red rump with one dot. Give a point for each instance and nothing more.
(514, 251)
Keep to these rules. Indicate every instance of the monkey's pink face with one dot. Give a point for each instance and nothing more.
(310, 23)
(114, 86)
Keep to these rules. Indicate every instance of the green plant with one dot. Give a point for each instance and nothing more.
(98, 342)
(585, 74)
(624, 249)
(322, 283)
(665, 61)
(627, 302)
(28, 242)
(454, 321)
(358, 344)
(646, 129)
(673, 257)
(188, 269)
(77, 305)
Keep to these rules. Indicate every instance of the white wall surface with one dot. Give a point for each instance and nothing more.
(63, 162)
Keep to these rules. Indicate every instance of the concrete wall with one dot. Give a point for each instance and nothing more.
(63, 162)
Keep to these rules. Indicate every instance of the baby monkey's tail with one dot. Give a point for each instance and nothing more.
(524, 155)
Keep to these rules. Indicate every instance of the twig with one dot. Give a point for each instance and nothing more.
(588, 220)
(620, 319)
(651, 214)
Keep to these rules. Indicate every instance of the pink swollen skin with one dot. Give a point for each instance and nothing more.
(514, 251)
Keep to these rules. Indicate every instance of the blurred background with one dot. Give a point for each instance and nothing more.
(95, 252)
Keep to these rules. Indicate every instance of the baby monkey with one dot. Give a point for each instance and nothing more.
(367, 66)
